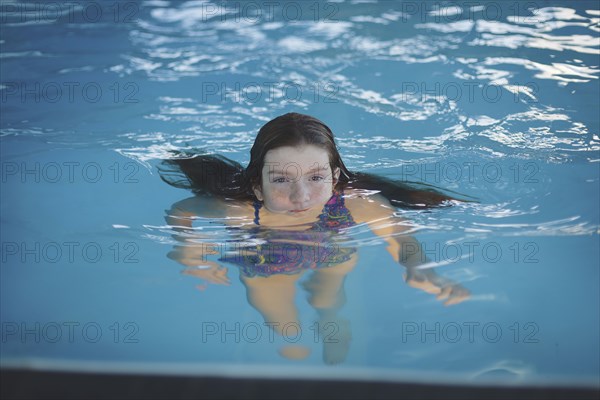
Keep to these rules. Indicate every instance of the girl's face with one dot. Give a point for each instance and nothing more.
(296, 180)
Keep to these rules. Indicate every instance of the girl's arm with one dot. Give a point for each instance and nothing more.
(182, 213)
(378, 213)
(191, 253)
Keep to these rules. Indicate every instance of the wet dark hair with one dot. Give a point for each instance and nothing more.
(293, 130)
(216, 175)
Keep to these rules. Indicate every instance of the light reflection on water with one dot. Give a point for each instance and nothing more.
(315, 55)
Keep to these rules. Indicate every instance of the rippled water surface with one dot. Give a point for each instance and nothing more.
(495, 100)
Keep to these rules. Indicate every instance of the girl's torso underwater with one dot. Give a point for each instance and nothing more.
(264, 243)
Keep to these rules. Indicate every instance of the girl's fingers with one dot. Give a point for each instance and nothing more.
(444, 293)
(458, 295)
(455, 300)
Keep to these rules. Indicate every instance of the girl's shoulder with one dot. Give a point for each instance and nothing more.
(367, 205)
(212, 207)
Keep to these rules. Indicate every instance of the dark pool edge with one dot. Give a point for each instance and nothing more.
(29, 384)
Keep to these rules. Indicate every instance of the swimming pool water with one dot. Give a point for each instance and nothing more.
(495, 100)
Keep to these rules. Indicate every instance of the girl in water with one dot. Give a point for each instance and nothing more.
(295, 198)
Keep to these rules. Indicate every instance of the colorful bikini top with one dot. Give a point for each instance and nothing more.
(334, 216)
(289, 252)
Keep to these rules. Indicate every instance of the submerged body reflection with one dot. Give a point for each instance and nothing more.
(273, 259)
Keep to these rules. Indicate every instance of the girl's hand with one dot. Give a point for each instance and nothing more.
(209, 271)
(192, 255)
(453, 294)
(430, 282)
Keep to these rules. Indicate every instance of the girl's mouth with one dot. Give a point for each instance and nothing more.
(299, 211)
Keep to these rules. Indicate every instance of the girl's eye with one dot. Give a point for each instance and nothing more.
(316, 178)
(280, 180)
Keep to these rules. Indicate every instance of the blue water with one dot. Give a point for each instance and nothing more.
(496, 100)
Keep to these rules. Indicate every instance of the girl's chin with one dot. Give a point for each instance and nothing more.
(298, 212)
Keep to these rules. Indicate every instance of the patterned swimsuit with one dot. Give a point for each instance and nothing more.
(290, 252)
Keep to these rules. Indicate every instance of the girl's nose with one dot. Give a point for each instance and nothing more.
(300, 193)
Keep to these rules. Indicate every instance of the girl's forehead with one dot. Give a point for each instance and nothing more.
(304, 155)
